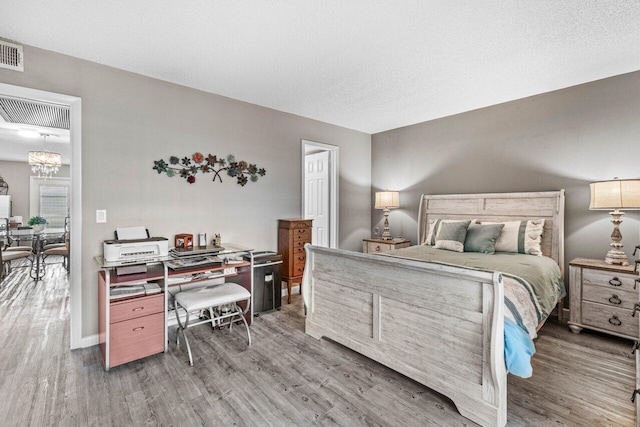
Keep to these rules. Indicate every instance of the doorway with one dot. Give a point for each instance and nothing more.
(320, 191)
(75, 104)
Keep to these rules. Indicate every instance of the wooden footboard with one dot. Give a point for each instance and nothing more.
(441, 326)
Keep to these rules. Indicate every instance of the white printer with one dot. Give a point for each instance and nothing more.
(134, 244)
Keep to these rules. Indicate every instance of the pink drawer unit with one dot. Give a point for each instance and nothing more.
(136, 338)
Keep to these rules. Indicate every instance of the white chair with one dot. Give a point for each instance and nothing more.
(221, 303)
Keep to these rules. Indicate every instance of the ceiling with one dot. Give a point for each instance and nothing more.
(365, 65)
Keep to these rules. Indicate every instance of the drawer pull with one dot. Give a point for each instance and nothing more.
(137, 309)
(636, 282)
(636, 346)
(378, 248)
(615, 282)
(633, 396)
(139, 328)
(615, 321)
(615, 299)
(636, 307)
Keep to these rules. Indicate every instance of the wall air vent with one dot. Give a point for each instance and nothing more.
(11, 56)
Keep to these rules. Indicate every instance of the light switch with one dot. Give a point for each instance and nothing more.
(101, 215)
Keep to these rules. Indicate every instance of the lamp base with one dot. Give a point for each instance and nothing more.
(616, 257)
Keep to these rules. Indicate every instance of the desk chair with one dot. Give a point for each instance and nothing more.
(221, 303)
(7, 256)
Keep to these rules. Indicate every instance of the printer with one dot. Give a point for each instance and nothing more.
(134, 244)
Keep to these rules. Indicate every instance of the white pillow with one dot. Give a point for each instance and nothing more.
(434, 225)
(523, 237)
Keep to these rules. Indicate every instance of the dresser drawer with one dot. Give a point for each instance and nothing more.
(375, 247)
(301, 235)
(609, 318)
(299, 244)
(299, 259)
(609, 279)
(610, 297)
(136, 338)
(297, 270)
(136, 307)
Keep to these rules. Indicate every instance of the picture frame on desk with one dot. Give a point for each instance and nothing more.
(184, 241)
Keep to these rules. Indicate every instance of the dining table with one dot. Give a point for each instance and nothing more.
(37, 239)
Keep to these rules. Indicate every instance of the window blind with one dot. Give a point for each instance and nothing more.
(54, 204)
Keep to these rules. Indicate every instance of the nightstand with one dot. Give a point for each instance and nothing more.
(604, 298)
(375, 246)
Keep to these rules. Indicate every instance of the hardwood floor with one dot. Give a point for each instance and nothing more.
(284, 378)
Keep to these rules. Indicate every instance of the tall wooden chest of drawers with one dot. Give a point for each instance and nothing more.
(604, 298)
(293, 234)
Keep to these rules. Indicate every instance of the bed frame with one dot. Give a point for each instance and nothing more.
(442, 326)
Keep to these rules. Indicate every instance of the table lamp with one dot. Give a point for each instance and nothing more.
(387, 200)
(615, 195)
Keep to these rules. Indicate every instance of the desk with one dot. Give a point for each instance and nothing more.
(38, 239)
(136, 327)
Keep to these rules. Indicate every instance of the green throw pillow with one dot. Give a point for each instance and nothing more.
(482, 238)
(451, 236)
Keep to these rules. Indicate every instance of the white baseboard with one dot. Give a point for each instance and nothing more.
(90, 341)
(294, 290)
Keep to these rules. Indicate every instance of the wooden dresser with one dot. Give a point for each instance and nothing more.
(293, 234)
(604, 298)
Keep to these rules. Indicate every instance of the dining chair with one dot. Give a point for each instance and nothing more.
(60, 249)
(6, 257)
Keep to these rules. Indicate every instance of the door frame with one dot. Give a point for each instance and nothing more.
(333, 184)
(75, 105)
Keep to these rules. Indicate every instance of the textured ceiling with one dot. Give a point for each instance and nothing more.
(365, 65)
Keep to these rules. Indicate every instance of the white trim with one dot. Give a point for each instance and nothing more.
(333, 185)
(75, 103)
(90, 341)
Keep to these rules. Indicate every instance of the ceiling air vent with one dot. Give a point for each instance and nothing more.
(14, 110)
(11, 56)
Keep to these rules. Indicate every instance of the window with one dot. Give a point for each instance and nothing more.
(50, 198)
(54, 204)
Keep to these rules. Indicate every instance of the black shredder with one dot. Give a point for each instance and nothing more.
(267, 282)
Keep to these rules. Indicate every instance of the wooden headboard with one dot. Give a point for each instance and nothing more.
(501, 207)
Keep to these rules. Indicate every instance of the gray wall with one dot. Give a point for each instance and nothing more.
(562, 139)
(128, 121)
(17, 175)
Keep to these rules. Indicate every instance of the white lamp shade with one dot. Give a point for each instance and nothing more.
(45, 158)
(615, 194)
(387, 199)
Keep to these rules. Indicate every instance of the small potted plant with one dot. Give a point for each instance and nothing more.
(37, 223)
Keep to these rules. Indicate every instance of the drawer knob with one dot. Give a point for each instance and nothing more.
(615, 299)
(615, 321)
(615, 282)
(377, 248)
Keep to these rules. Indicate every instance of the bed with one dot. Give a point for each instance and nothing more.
(440, 324)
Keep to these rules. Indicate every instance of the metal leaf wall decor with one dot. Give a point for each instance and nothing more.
(187, 168)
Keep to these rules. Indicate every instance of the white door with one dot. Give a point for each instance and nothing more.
(316, 206)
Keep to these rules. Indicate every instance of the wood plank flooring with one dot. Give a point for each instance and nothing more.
(284, 378)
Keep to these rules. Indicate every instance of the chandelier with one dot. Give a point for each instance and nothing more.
(45, 163)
